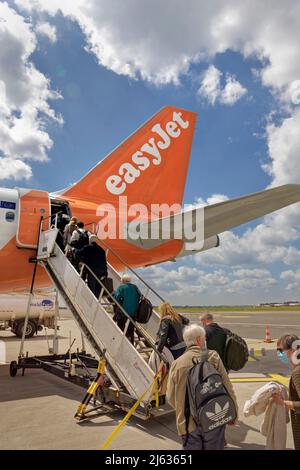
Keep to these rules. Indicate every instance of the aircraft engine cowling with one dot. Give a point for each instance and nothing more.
(192, 248)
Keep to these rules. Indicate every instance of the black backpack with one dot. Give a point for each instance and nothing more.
(207, 400)
(144, 310)
(83, 239)
(236, 351)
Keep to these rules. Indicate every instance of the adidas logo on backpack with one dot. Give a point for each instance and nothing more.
(219, 412)
(207, 400)
(220, 417)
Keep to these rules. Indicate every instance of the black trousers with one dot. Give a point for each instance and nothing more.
(198, 440)
(93, 284)
(121, 322)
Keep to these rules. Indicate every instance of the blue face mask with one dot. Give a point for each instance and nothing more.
(283, 357)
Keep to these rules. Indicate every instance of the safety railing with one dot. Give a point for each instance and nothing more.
(109, 295)
(108, 249)
(114, 301)
(94, 226)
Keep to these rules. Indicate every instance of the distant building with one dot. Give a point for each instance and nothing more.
(291, 303)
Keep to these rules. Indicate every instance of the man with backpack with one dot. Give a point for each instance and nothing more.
(232, 349)
(95, 258)
(215, 335)
(201, 393)
(80, 237)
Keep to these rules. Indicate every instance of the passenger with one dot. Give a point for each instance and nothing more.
(194, 337)
(94, 257)
(128, 295)
(215, 335)
(69, 229)
(80, 237)
(170, 330)
(288, 350)
(62, 221)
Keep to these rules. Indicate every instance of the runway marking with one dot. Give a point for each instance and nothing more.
(260, 352)
(256, 354)
(236, 316)
(264, 324)
(281, 379)
(271, 377)
(250, 379)
(249, 312)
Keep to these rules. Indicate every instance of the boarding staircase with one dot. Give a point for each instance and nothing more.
(127, 364)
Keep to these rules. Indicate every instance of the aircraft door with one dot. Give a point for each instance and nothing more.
(32, 204)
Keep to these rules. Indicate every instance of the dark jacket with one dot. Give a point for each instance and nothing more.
(295, 413)
(170, 333)
(94, 257)
(216, 339)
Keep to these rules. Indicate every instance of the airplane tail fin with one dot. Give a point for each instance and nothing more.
(149, 167)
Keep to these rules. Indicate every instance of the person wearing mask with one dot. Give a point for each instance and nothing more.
(128, 295)
(215, 335)
(95, 258)
(194, 337)
(288, 350)
(170, 333)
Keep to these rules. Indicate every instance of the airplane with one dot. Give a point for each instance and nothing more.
(148, 168)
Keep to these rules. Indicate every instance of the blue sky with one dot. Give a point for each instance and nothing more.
(101, 108)
(102, 103)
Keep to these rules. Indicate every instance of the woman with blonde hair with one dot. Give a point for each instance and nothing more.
(170, 333)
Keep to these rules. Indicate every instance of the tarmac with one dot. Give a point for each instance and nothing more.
(37, 409)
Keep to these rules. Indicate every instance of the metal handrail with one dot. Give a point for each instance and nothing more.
(115, 301)
(148, 339)
(125, 264)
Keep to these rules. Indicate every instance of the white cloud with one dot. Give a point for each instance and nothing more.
(46, 29)
(265, 244)
(200, 202)
(232, 92)
(211, 88)
(293, 279)
(14, 168)
(217, 198)
(24, 96)
(184, 282)
(159, 40)
(284, 150)
(292, 256)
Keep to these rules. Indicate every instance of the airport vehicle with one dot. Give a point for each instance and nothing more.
(148, 168)
(13, 310)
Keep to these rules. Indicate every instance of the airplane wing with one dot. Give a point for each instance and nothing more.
(229, 214)
(219, 217)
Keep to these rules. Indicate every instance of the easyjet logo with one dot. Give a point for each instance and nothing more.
(149, 153)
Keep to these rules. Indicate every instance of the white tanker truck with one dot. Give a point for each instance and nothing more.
(13, 310)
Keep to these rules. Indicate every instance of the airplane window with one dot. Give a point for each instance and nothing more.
(10, 216)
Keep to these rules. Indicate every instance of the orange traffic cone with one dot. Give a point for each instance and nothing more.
(268, 335)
